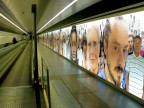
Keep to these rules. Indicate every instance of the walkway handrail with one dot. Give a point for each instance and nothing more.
(48, 81)
(4, 69)
(8, 49)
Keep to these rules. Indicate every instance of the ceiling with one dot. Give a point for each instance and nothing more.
(19, 12)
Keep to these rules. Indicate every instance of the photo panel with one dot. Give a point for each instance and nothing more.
(108, 48)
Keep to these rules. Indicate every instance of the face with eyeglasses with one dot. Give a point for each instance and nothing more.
(93, 49)
(73, 45)
(115, 51)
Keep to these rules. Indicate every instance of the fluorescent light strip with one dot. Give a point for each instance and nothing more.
(12, 23)
(58, 14)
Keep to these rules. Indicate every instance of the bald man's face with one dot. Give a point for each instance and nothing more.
(116, 51)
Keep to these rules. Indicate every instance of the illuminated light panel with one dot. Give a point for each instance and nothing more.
(58, 14)
(12, 23)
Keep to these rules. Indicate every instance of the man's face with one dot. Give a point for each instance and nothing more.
(73, 45)
(116, 52)
(93, 49)
(130, 43)
(137, 45)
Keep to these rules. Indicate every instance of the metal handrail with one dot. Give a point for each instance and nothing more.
(9, 63)
(9, 48)
(48, 81)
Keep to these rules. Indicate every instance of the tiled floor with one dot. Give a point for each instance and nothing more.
(17, 97)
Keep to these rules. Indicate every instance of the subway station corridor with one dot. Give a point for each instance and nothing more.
(71, 54)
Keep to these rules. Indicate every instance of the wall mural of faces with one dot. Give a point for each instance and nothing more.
(104, 47)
